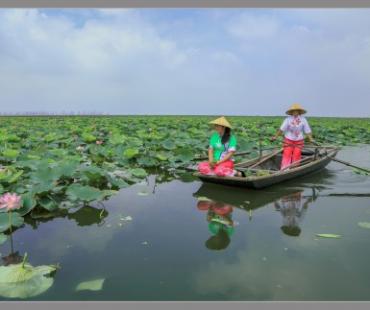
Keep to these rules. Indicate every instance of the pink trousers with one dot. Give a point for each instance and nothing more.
(224, 169)
(292, 152)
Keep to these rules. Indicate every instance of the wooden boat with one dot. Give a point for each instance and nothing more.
(265, 171)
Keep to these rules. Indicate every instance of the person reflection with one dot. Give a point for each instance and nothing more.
(293, 209)
(220, 224)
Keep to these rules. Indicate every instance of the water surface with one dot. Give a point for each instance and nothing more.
(241, 245)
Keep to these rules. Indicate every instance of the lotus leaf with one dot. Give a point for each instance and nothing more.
(24, 280)
(93, 285)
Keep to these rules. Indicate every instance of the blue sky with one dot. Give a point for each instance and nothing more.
(185, 61)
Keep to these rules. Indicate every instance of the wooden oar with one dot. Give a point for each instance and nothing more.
(238, 153)
(349, 164)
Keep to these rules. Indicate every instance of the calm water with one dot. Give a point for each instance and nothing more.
(245, 245)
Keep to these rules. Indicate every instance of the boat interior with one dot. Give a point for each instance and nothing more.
(270, 163)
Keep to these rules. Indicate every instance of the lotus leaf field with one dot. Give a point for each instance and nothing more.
(57, 163)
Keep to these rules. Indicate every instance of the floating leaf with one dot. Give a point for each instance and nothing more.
(364, 225)
(18, 281)
(161, 157)
(93, 285)
(28, 203)
(130, 153)
(48, 204)
(169, 145)
(138, 172)
(328, 236)
(143, 193)
(9, 153)
(85, 193)
(88, 138)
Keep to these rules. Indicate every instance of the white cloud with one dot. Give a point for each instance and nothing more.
(244, 62)
(248, 26)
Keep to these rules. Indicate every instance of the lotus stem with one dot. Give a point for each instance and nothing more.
(10, 221)
(24, 259)
(11, 244)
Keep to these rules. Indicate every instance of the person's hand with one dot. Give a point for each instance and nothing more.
(212, 164)
(272, 139)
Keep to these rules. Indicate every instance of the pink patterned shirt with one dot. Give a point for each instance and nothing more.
(294, 127)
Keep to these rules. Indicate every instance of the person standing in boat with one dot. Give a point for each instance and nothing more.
(294, 128)
(222, 146)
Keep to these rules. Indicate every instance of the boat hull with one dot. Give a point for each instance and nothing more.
(265, 181)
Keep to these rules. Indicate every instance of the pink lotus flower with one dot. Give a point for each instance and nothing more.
(10, 202)
(98, 142)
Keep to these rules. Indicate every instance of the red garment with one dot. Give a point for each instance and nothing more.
(292, 152)
(224, 169)
(219, 208)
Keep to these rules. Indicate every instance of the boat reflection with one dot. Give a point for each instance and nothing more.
(292, 208)
(220, 223)
(291, 202)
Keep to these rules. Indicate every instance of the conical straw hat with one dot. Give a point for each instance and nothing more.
(296, 107)
(222, 121)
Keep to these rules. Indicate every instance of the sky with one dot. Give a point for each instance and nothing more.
(185, 61)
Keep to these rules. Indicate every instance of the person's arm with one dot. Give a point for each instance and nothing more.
(310, 138)
(231, 150)
(281, 130)
(308, 132)
(210, 156)
(211, 160)
(227, 157)
(278, 133)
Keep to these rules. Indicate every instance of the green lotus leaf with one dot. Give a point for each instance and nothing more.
(48, 204)
(16, 221)
(12, 138)
(88, 138)
(14, 177)
(364, 225)
(10, 153)
(10, 175)
(93, 285)
(169, 145)
(130, 153)
(138, 172)
(116, 139)
(25, 281)
(184, 154)
(84, 193)
(28, 203)
(329, 236)
(161, 157)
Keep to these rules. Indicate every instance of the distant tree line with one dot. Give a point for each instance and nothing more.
(43, 113)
